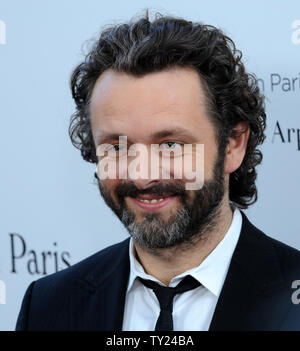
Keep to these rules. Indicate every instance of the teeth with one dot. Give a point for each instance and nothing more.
(151, 201)
(147, 201)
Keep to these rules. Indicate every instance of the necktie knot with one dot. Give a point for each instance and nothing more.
(165, 296)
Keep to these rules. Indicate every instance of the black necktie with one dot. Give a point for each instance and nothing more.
(165, 297)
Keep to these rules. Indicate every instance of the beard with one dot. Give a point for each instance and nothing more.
(197, 215)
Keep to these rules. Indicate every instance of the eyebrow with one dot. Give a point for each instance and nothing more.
(178, 131)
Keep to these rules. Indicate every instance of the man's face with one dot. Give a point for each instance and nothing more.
(166, 108)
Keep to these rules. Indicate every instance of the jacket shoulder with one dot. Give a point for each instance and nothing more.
(102, 260)
(289, 257)
(267, 247)
(46, 303)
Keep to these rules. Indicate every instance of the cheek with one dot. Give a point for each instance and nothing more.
(190, 196)
(209, 166)
(110, 186)
(210, 157)
(196, 164)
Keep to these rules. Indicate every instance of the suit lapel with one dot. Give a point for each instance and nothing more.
(253, 286)
(252, 290)
(98, 299)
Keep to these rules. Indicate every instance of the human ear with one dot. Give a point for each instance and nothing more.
(236, 147)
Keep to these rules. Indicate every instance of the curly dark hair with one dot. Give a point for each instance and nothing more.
(141, 46)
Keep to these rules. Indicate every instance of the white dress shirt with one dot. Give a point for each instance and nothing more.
(192, 310)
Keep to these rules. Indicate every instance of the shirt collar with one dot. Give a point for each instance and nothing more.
(211, 273)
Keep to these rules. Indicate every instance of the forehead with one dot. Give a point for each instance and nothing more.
(123, 103)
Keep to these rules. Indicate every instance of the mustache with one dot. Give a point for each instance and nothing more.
(167, 189)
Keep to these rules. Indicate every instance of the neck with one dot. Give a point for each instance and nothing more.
(164, 264)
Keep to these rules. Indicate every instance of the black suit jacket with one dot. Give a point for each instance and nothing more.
(90, 295)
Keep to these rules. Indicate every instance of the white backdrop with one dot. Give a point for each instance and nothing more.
(51, 212)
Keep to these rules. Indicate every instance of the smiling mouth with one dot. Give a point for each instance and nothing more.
(153, 202)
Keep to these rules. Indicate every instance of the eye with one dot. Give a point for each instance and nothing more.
(170, 145)
(117, 147)
(116, 151)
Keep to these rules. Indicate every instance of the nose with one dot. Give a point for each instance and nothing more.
(143, 184)
(140, 167)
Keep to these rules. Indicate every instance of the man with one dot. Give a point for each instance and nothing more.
(193, 260)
